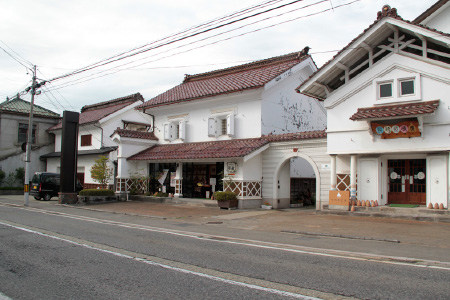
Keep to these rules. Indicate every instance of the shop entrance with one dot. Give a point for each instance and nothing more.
(407, 183)
(201, 180)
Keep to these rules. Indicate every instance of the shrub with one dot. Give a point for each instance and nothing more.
(13, 188)
(162, 194)
(2, 176)
(224, 196)
(96, 192)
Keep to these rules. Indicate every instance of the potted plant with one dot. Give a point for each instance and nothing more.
(266, 205)
(226, 199)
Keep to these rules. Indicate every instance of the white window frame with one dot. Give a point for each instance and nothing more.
(175, 130)
(396, 89)
(215, 125)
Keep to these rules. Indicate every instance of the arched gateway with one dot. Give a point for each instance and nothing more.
(276, 171)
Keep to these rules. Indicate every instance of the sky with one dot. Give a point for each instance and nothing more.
(60, 37)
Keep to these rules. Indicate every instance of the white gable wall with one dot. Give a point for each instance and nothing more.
(440, 20)
(284, 110)
(347, 136)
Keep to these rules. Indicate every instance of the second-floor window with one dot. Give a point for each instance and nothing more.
(23, 133)
(175, 130)
(221, 125)
(86, 140)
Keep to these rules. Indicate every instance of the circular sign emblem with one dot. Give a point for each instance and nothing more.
(379, 130)
(395, 129)
(421, 175)
(393, 175)
(387, 129)
(404, 128)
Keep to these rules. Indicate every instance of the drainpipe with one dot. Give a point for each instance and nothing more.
(153, 119)
(101, 139)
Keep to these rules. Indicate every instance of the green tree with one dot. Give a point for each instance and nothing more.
(100, 171)
(20, 174)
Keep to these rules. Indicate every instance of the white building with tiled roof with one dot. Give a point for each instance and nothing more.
(14, 118)
(97, 122)
(214, 125)
(387, 100)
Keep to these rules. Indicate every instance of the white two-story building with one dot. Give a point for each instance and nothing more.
(215, 131)
(387, 95)
(96, 124)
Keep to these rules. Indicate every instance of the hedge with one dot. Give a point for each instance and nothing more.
(224, 196)
(96, 192)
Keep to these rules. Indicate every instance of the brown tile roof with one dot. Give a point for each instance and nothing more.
(394, 111)
(96, 112)
(22, 107)
(218, 149)
(295, 136)
(243, 77)
(201, 150)
(135, 134)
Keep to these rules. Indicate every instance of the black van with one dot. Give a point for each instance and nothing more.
(47, 185)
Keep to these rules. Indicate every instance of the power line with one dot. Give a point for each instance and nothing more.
(120, 57)
(80, 80)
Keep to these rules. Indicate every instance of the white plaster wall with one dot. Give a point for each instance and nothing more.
(347, 136)
(110, 123)
(300, 168)
(284, 110)
(441, 21)
(314, 151)
(245, 106)
(284, 186)
(253, 168)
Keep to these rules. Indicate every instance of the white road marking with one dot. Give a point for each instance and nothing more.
(394, 260)
(149, 262)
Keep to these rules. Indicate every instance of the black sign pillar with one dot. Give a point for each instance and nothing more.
(69, 154)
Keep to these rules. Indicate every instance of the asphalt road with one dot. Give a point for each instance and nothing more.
(51, 255)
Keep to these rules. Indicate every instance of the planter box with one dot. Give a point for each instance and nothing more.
(266, 206)
(229, 204)
(293, 205)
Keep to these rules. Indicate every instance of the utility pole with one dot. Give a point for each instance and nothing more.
(29, 141)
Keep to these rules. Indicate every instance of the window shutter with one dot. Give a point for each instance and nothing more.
(212, 127)
(230, 125)
(167, 132)
(182, 132)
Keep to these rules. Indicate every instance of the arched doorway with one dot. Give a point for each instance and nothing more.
(296, 181)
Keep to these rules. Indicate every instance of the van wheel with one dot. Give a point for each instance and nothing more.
(47, 197)
(37, 198)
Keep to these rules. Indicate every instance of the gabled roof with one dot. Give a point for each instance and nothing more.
(95, 112)
(238, 78)
(353, 54)
(135, 134)
(22, 107)
(430, 11)
(396, 111)
(218, 149)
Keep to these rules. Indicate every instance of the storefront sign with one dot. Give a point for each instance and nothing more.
(341, 198)
(404, 129)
